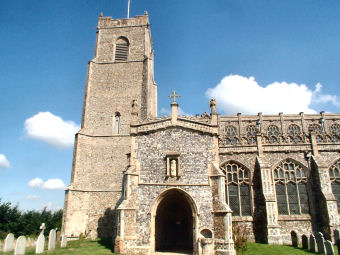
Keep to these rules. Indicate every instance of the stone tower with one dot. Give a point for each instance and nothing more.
(121, 72)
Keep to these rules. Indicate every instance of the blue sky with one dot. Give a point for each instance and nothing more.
(269, 56)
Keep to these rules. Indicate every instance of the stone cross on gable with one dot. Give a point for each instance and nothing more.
(174, 95)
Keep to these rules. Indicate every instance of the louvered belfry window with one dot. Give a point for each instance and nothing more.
(238, 189)
(122, 49)
(291, 188)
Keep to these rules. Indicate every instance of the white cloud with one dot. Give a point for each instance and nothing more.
(49, 184)
(32, 197)
(165, 112)
(35, 183)
(4, 162)
(51, 129)
(236, 93)
(53, 184)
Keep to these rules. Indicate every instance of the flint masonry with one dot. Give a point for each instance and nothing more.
(180, 183)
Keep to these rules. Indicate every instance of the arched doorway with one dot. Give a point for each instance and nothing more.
(174, 223)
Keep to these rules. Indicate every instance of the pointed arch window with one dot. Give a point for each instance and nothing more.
(238, 193)
(231, 135)
(251, 134)
(291, 188)
(335, 130)
(294, 133)
(116, 123)
(334, 175)
(122, 49)
(273, 133)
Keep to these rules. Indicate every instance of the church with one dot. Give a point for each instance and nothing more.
(181, 183)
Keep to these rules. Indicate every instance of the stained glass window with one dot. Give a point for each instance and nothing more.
(291, 188)
(334, 175)
(238, 189)
(231, 135)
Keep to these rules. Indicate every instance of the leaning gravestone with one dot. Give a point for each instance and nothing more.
(312, 243)
(8, 244)
(20, 246)
(304, 240)
(294, 237)
(336, 235)
(63, 243)
(329, 248)
(320, 241)
(51, 240)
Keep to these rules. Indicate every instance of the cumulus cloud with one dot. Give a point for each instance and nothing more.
(51, 129)
(49, 184)
(4, 162)
(35, 183)
(53, 184)
(236, 93)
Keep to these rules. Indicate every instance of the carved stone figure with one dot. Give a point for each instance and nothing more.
(173, 168)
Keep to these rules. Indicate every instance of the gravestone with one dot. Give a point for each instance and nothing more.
(20, 246)
(329, 248)
(312, 243)
(8, 244)
(336, 235)
(41, 240)
(63, 243)
(40, 244)
(52, 240)
(320, 241)
(294, 238)
(304, 240)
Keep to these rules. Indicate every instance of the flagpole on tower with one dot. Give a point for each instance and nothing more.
(128, 10)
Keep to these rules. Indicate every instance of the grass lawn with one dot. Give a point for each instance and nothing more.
(259, 249)
(87, 247)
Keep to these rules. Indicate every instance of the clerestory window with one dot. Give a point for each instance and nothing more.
(231, 135)
(238, 194)
(294, 133)
(273, 133)
(334, 175)
(251, 134)
(335, 130)
(122, 49)
(291, 188)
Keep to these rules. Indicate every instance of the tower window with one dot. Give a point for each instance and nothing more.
(116, 123)
(122, 49)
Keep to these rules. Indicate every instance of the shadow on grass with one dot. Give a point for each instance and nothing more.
(107, 243)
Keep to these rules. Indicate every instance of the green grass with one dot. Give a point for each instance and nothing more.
(87, 247)
(262, 249)
(83, 247)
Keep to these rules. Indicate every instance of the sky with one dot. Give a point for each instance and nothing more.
(252, 56)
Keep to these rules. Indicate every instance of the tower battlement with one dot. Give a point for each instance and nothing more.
(109, 22)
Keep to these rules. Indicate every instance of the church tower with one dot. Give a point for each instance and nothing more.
(120, 72)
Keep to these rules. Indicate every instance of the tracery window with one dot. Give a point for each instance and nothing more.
(251, 134)
(291, 188)
(294, 132)
(273, 133)
(231, 135)
(335, 130)
(334, 175)
(238, 189)
(316, 128)
(122, 49)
